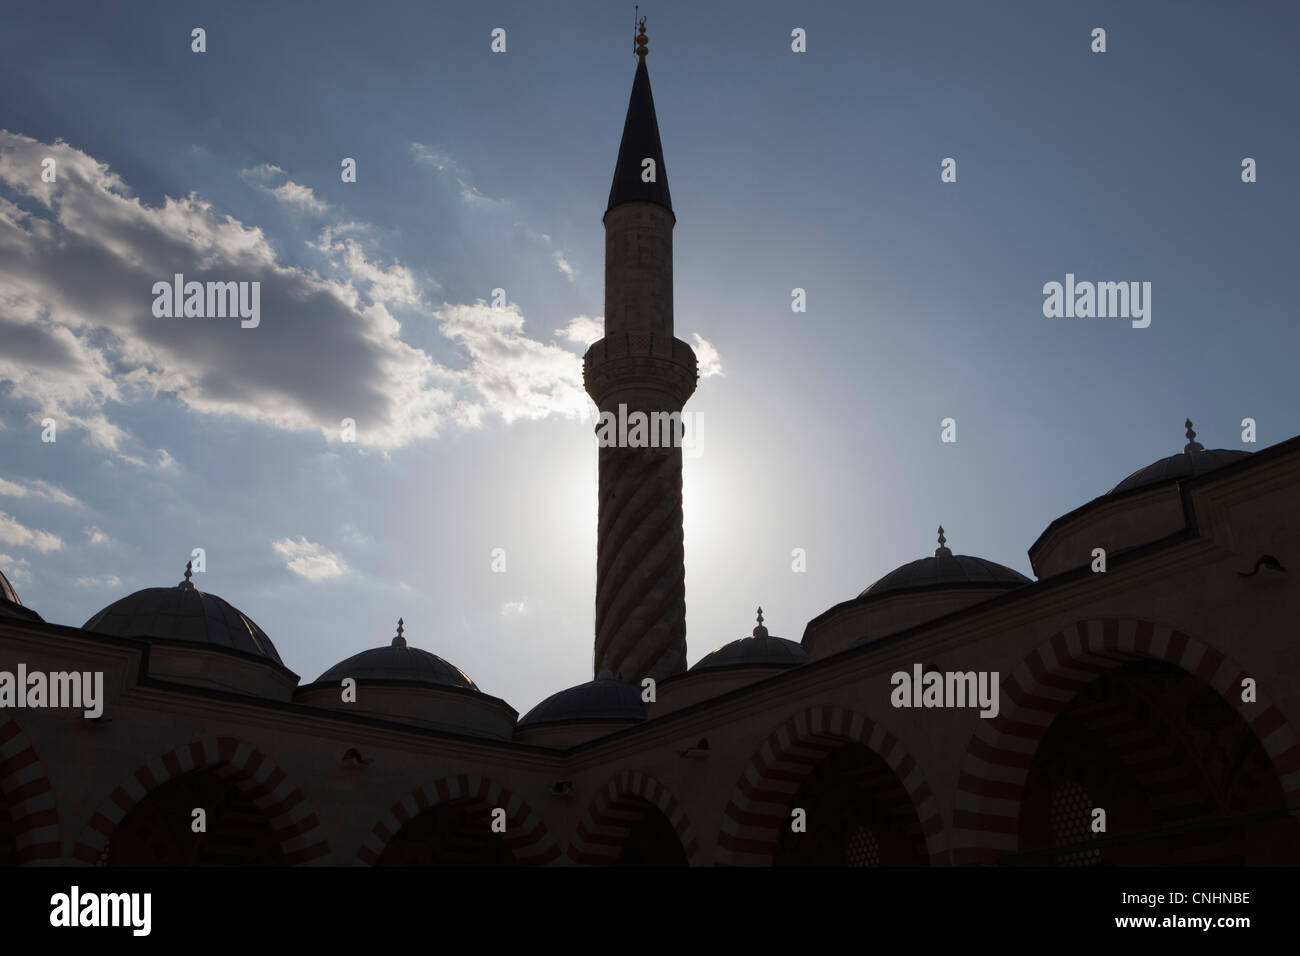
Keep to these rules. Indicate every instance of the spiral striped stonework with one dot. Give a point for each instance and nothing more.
(640, 565)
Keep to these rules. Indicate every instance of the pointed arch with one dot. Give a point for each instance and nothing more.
(995, 766)
(608, 822)
(756, 814)
(26, 787)
(297, 828)
(526, 834)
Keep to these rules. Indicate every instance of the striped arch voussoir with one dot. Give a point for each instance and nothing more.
(526, 834)
(616, 809)
(26, 788)
(757, 812)
(295, 824)
(997, 759)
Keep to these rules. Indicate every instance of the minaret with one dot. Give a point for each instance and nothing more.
(638, 365)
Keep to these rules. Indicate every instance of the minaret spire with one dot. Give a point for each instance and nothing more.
(640, 143)
(639, 367)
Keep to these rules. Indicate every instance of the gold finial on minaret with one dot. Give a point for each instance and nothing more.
(641, 39)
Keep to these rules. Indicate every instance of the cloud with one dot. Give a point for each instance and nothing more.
(78, 339)
(95, 536)
(288, 192)
(562, 264)
(394, 285)
(513, 609)
(109, 581)
(709, 359)
(15, 533)
(17, 570)
(428, 156)
(37, 489)
(309, 560)
(583, 330)
(517, 377)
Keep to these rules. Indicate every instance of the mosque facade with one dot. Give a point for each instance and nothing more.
(953, 713)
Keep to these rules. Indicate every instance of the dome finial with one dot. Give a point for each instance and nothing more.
(760, 630)
(399, 641)
(1192, 444)
(189, 572)
(942, 551)
(641, 40)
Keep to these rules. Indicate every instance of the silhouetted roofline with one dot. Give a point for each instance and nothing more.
(1265, 454)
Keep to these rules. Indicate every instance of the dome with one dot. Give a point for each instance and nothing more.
(946, 569)
(759, 650)
(7, 591)
(398, 662)
(1194, 460)
(601, 699)
(183, 613)
(10, 606)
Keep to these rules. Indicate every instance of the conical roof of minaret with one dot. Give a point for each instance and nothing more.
(640, 141)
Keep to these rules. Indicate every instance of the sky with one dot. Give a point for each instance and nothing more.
(477, 170)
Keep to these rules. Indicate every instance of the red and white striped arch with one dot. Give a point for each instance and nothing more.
(759, 807)
(295, 823)
(526, 833)
(991, 784)
(617, 808)
(26, 788)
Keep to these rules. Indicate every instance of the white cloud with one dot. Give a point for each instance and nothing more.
(78, 337)
(13, 532)
(17, 570)
(513, 609)
(393, 285)
(36, 489)
(309, 560)
(95, 536)
(583, 329)
(110, 581)
(710, 360)
(288, 192)
(427, 156)
(562, 264)
(515, 376)
(293, 194)
(354, 536)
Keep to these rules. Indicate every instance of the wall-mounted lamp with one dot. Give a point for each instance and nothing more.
(353, 754)
(701, 749)
(1267, 563)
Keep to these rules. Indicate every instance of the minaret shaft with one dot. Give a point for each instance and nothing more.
(639, 367)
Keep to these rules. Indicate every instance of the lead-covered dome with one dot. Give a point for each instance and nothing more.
(399, 662)
(404, 684)
(761, 649)
(183, 613)
(7, 591)
(10, 606)
(945, 569)
(1194, 460)
(602, 699)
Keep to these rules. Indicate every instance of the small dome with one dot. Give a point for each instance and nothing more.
(759, 650)
(398, 662)
(946, 569)
(602, 699)
(183, 613)
(1194, 460)
(7, 591)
